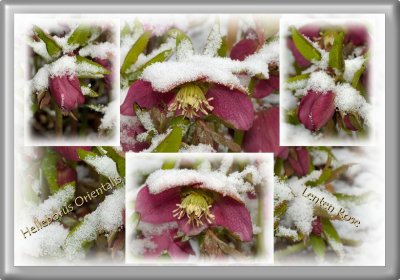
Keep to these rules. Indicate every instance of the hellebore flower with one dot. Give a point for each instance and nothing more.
(317, 226)
(357, 34)
(195, 207)
(231, 105)
(65, 174)
(299, 159)
(66, 91)
(244, 48)
(106, 64)
(264, 134)
(263, 87)
(167, 241)
(71, 152)
(316, 109)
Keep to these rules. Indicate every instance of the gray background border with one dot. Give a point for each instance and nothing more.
(391, 10)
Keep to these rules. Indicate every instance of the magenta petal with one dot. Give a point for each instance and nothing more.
(316, 109)
(348, 124)
(189, 229)
(244, 48)
(71, 152)
(157, 208)
(264, 135)
(300, 161)
(66, 91)
(264, 88)
(130, 129)
(142, 93)
(233, 216)
(310, 30)
(232, 106)
(180, 250)
(162, 242)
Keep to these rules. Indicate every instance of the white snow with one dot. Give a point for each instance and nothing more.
(39, 47)
(103, 165)
(214, 41)
(106, 218)
(320, 82)
(101, 50)
(200, 148)
(109, 119)
(301, 211)
(287, 232)
(351, 66)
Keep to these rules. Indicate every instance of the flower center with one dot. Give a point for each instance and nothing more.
(191, 99)
(195, 204)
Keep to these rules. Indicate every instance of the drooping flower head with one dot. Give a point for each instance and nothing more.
(66, 91)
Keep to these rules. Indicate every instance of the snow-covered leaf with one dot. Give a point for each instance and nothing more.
(120, 160)
(104, 165)
(214, 41)
(96, 107)
(137, 48)
(52, 47)
(87, 68)
(307, 50)
(80, 36)
(332, 236)
(87, 91)
(358, 74)
(49, 168)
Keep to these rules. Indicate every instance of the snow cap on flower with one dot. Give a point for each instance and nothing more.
(71, 152)
(316, 109)
(66, 91)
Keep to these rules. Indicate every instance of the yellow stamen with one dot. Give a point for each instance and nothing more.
(191, 99)
(195, 204)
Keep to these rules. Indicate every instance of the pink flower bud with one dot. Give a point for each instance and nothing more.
(299, 159)
(66, 91)
(70, 152)
(347, 122)
(65, 174)
(244, 48)
(317, 226)
(316, 109)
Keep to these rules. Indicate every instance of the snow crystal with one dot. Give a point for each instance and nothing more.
(40, 81)
(287, 232)
(65, 65)
(106, 218)
(101, 50)
(301, 211)
(351, 66)
(348, 99)
(226, 164)
(321, 82)
(296, 84)
(63, 42)
(110, 116)
(200, 148)
(47, 242)
(162, 180)
(281, 191)
(214, 42)
(103, 165)
(184, 50)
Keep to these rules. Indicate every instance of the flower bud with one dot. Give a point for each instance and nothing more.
(71, 152)
(316, 109)
(66, 91)
(317, 226)
(65, 174)
(351, 122)
(299, 159)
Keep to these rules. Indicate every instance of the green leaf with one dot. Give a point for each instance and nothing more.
(290, 250)
(49, 168)
(52, 47)
(168, 164)
(359, 72)
(138, 47)
(298, 78)
(80, 36)
(89, 69)
(87, 91)
(318, 245)
(331, 236)
(119, 160)
(291, 117)
(171, 143)
(96, 107)
(280, 209)
(323, 178)
(223, 49)
(336, 59)
(353, 198)
(179, 35)
(306, 49)
(337, 172)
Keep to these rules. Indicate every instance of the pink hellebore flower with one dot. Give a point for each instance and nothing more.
(195, 208)
(265, 87)
(65, 174)
(66, 91)
(299, 159)
(316, 109)
(264, 135)
(71, 152)
(167, 241)
(231, 105)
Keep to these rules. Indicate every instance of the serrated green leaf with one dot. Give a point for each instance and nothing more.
(138, 47)
(80, 36)
(49, 168)
(89, 69)
(172, 142)
(52, 47)
(331, 236)
(336, 59)
(119, 160)
(318, 245)
(306, 49)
